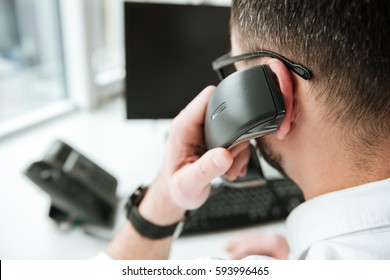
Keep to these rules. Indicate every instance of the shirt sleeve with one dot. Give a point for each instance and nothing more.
(102, 256)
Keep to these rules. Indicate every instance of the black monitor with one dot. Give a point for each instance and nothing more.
(169, 50)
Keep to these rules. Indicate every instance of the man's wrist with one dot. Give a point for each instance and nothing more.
(158, 207)
(142, 225)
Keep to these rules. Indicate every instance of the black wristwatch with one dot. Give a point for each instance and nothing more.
(143, 226)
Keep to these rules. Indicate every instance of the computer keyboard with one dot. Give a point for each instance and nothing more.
(229, 208)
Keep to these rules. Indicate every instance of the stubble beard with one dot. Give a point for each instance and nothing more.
(272, 157)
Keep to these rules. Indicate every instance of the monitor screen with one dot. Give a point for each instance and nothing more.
(169, 50)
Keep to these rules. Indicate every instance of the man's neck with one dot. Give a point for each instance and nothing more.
(333, 169)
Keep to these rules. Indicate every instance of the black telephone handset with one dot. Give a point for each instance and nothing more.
(247, 104)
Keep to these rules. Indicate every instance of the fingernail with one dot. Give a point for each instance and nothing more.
(221, 161)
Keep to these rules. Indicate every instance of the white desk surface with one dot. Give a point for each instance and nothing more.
(132, 151)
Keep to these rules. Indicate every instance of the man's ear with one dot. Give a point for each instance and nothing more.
(286, 87)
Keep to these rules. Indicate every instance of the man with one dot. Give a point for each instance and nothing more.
(334, 141)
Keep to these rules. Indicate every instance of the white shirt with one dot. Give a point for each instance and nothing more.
(349, 224)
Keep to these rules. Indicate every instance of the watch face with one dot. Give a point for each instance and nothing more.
(138, 195)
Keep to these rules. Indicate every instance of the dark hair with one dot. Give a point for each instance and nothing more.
(346, 44)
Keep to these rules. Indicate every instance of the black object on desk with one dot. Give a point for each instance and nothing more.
(229, 208)
(80, 190)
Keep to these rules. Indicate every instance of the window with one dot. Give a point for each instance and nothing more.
(31, 61)
(57, 55)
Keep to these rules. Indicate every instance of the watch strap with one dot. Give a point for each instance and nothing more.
(144, 227)
(148, 229)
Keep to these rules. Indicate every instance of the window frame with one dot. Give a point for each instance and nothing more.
(85, 88)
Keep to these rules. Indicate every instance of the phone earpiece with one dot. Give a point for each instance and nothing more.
(246, 105)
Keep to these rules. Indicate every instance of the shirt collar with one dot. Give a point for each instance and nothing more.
(338, 213)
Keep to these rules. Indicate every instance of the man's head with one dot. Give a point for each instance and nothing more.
(346, 46)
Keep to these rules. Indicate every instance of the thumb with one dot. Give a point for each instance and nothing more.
(192, 182)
